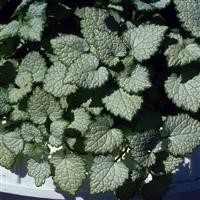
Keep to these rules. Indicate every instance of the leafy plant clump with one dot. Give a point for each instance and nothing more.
(113, 85)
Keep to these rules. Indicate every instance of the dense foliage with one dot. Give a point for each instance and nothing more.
(113, 85)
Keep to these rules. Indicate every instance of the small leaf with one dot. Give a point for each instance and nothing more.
(42, 105)
(7, 158)
(32, 25)
(91, 109)
(35, 64)
(151, 5)
(4, 101)
(134, 79)
(24, 82)
(57, 129)
(17, 114)
(30, 132)
(40, 171)
(81, 120)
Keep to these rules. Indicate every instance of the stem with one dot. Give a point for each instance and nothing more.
(120, 156)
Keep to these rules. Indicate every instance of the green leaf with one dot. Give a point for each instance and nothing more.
(32, 69)
(55, 83)
(24, 82)
(34, 151)
(42, 105)
(91, 109)
(68, 48)
(9, 30)
(144, 40)
(35, 64)
(107, 175)
(101, 137)
(7, 158)
(40, 171)
(182, 53)
(4, 101)
(21, 6)
(89, 24)
(172, 163)
(13, 141)
(136, 174)
(32, 25)
(134, 79)
(189, 15)
(71, 142)
(57, 129)
(30, 132)
(108, 47)
(81, 120)
(120, 103)
(142, 147)
(105, 44)
(17, 114)
(69, 172)
(152, 5)
(183, 134)
(85, 72)
(185, 95)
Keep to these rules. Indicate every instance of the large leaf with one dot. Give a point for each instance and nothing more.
(183, 134)
(142, 147)
(68, 48)
(107, 175)
(122, 104)
(189, 15)
(42, 105)
(144, 40)
(69, 172)
(13, 141)
(101, 137)
(185, 95)
(55, 83)
(86, 72)
(182, 53)
(105, 44)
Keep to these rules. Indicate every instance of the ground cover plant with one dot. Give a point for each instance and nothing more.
(114, 85)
